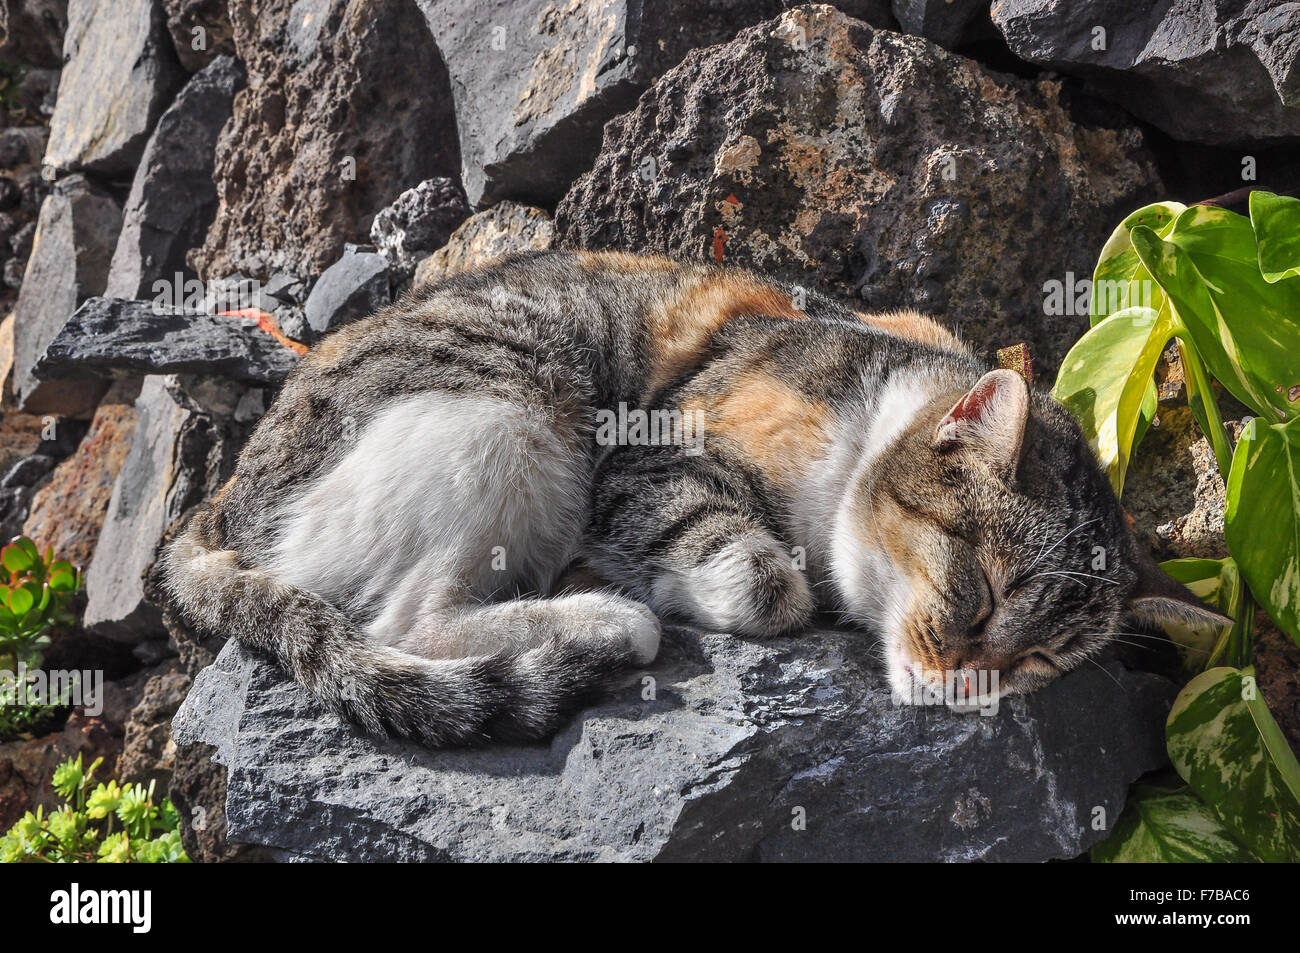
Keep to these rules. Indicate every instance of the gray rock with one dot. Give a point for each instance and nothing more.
(120, 73)
(178, 452)
(534, 81)
(1218, 71)
(285, 289)
(418, 223)
(75, 236)
(173, 198)
(354, 286)
(113, 337)
(870, 164)
(950, 23)
(741, 741)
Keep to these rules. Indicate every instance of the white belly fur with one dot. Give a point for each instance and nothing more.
(410, 520)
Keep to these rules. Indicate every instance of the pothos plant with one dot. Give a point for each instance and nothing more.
(36, 593)
(1226, 290)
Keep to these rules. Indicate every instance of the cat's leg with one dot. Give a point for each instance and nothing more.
(689, 536)
(445, 508)
(596, 620)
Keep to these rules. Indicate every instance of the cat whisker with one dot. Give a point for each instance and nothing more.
(1069, 574)
(1109, 675)
(1042, 555)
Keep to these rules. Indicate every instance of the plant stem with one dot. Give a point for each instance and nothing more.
(1201, 400)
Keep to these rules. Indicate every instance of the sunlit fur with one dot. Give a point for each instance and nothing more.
(397, 524)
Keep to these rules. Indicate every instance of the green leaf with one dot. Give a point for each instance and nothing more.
(1106, 382)
(1159, 826)
(20, 600)
(1245, 330)
(1276, 220)
(1262, 518)
(1120, 280)
(16, 558)
(1225, 744)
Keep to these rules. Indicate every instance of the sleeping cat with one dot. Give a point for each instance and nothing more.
(397, 524)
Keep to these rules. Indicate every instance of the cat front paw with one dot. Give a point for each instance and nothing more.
(750, 587)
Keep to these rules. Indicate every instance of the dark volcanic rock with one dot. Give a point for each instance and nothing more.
(347, 105)
(950, 23)
(119, 76)
(873, 164)
(535, 80)
(31, 31)
(418, 223)
(112, 337)
(172, 199)
(725, 749)
(73, 246)
(1215, 71)
(354, 286)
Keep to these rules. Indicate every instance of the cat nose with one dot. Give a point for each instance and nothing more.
(984, 662)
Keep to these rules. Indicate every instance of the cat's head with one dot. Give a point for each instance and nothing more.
(1002, 546)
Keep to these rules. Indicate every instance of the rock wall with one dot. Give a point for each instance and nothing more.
(194, 191)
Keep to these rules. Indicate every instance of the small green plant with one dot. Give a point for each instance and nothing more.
(1226, 289)
(107, 824)
(37, 592)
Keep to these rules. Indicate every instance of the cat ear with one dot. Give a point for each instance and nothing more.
(1160, 598)
(989, 419)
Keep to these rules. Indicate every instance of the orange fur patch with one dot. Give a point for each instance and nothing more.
(774, 425)
(679, 329)
(915, 326)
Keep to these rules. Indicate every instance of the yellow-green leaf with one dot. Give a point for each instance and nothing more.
(1106, 382)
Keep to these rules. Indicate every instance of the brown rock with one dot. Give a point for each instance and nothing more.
(148, 753)
(1277, 669)
(504, 228)
(872, 164)
(1173, 489)
(20, 435)
(200, 30)
(26, 766)
(31, 31)
(68, 511)
(347, 105)
(6, 362)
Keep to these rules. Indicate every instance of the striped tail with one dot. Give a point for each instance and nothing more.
(510, 696)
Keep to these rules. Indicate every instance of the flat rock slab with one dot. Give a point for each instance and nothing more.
(725, 749)
(115, 337)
